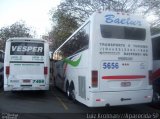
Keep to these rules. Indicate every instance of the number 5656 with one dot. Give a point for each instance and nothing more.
(110, 65)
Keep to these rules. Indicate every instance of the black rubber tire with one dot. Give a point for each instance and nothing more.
(72, 92)
(54, 82)
(68, 90)
(1, 82)
(155, 97)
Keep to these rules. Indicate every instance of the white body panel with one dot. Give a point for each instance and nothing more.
(26, 71)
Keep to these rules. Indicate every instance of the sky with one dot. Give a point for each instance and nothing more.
(35, 13)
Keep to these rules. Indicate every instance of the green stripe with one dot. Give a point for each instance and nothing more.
(73, 63)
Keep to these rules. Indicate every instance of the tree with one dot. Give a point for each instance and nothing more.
(155, 30)
(17, 29)
(79, 10)
(82, 9)
(65, 26)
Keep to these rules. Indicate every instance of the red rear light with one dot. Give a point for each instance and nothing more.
(7, 70)
(45, 70)
(98, 100)
(94, 78)
(150, 77)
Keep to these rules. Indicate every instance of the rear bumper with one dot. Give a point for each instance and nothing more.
(101, 99)
(12, 88)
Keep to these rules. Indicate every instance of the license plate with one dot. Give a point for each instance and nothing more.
(26, 81)
(125, 84)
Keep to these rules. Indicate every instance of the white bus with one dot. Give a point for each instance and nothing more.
(1, 67)
(156, 67)
(107, 61)
(26, 64)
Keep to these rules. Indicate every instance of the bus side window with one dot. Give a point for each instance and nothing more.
(77, 43)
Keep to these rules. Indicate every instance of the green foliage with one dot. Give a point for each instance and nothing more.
(17, 29)
(82, 9)
(155, 30)
(65, 26)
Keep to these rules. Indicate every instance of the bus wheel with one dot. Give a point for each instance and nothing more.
(1, 82)
(156, 97)
(54, 82)
(72, 92)
(67, 90)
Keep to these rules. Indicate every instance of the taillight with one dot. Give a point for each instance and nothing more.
(94, 78)
(7, 70)
(150, 77)
(45, 70)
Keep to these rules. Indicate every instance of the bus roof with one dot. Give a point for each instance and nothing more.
(25, 39)
(122, 15)
(154, 36)
(2, 51)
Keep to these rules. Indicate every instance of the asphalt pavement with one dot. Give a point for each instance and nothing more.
(55, 104)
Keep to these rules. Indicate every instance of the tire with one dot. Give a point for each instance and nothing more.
(72, 92)
(155, 97)
(68, 90)
(1, 82)
(54, 82)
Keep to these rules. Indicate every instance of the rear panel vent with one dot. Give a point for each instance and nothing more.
(82, 86)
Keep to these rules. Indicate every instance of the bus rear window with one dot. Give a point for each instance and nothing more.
(25, 48)
(123, 32)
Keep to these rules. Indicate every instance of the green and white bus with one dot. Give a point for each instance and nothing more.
(107, 61)
(26, 64)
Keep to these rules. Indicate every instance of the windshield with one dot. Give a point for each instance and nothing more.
(25, 48)
(122, 32)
